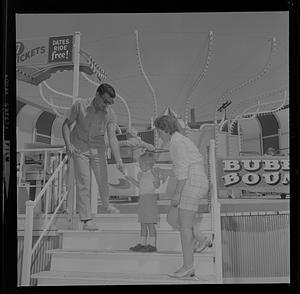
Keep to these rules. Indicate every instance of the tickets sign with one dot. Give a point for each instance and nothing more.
(32, 52)
(44, 50)
(261, 174)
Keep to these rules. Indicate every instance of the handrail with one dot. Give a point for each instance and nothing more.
(41, 149)
(216, 213)
(49, 181)
(30, 205)
(50, 221)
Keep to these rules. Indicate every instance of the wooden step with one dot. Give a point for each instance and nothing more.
(120, 239)
(130, 221)
(105, 221)
(116, 261)
(50, 278)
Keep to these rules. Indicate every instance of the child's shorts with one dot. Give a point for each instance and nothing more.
(195, 188)
(148, 209)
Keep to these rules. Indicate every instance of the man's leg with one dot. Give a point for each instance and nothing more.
(83, 185)
(99, 166)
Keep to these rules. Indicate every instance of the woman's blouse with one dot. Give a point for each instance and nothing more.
(183, 153)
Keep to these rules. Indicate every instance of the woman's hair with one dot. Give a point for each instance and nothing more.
(167, 123)
(106, 88)
(148, 157)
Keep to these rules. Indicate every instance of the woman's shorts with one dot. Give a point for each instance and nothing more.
(148, 209)
(195, 188)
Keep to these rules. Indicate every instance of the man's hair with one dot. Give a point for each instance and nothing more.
(106, 88)
(149, 157)
(270, 149)
(167, 123)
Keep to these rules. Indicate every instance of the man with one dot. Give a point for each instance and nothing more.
(86, 144)
(270, 151)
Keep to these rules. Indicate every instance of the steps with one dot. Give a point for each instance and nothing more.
(103, 257)
(124, 261)
(130, 221)
(83, 278)
(167, 240)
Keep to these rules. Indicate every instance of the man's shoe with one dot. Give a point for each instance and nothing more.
(137, 247)
(90, 226)
(111, 209)
(148, 248)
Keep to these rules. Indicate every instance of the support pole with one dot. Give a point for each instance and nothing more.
(27, 250)
(76, 58)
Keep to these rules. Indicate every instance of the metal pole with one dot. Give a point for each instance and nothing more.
(216, 215)
(27, 250)
(76, 58)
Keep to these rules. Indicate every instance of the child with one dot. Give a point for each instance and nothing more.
(137, 144)
(192, 185)
(147, 181)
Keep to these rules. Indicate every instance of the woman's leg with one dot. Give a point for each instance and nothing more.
(186, 218)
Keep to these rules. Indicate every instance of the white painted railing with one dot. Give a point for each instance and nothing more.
(216, 213)
(57, 186)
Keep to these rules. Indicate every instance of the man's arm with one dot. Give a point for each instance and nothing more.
(70, 149)
(114, 145)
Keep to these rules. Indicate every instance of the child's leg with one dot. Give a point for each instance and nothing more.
(186, 235)
(143, 234)
(152, 234)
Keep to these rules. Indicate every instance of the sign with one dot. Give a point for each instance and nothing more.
(32, 52)
(260, 174)
(60, 49)
(44, 50)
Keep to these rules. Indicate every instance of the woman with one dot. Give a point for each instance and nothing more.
(192, 185)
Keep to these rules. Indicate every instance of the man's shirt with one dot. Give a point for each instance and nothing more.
(90, 125)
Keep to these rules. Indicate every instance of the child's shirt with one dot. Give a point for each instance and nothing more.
(146, 183)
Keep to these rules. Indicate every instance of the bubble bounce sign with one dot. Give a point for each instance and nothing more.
(265, 172)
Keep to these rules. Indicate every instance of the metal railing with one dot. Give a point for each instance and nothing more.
(60, 185)
(215, 213)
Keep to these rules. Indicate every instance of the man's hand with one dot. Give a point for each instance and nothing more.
(149, 147)
(175, 200)
(70, 150)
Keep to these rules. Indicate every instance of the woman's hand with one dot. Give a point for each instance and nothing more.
(175, 200)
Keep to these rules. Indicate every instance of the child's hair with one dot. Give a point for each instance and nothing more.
(148, 157)
(167, 123)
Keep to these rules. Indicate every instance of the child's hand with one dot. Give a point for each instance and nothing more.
(125, 173)
(156, 170)
(175, 200)
(163, 178)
